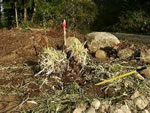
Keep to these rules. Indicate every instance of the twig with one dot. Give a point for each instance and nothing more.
(40, 71)
(20, 105)
(43, 82)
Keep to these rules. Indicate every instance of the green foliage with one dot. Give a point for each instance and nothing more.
(27, 24)
(76, 12)
(132, 21)
(43, 11)
(123, 16)
(108, 12)
(84, 15)
(8, 14)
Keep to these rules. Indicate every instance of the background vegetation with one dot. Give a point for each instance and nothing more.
(99, 15)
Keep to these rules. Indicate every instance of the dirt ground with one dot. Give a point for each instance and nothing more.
(18, 58)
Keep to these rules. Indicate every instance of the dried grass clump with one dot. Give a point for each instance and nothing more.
(78, 52)
(53, 61)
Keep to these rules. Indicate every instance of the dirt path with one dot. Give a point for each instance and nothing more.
(133, 37)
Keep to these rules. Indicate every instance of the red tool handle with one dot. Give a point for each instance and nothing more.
(64, 24)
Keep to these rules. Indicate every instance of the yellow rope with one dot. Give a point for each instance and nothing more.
(115, 78)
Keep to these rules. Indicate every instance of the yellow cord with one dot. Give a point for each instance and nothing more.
(115, 78)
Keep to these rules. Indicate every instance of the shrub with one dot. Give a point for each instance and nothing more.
(133, 21)
(76, 12)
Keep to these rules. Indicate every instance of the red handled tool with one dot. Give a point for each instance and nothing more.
(64, 29)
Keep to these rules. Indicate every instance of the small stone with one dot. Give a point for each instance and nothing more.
(123, 109)
(141, 102)
(125, 53)
(145, 55)
(118, 111)
(146, 73)
(145, 111)
(135, 95)
(80, 108)
(139, 76)
(96, 104)
(91, 110)
(101, 55)
(32, 102)
(128, 83)
(105, 107)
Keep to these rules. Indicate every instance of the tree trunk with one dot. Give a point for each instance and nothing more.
(25, 10)
(34, 10)
(16, 14)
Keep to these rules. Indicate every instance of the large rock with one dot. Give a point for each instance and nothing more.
(145, 55)
(125, 53)
(97, 40)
